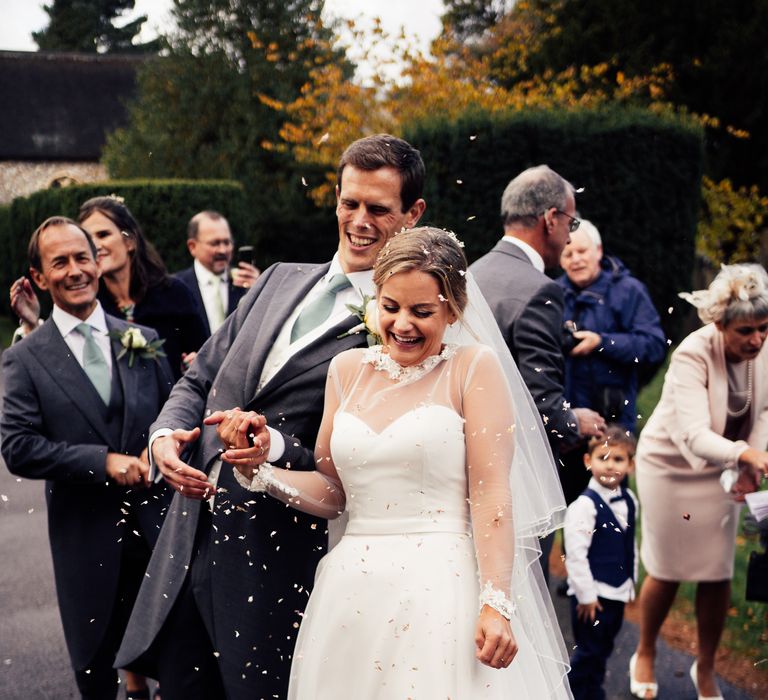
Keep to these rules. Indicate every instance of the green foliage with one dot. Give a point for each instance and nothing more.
(88, 26)
(162, 208)
(203, 110)
(716, 51)
(732, 224)
(641, 175)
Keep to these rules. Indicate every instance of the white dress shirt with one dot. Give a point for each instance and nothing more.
(66, 323)
(536, 260)
(579, 527)
(208, 292)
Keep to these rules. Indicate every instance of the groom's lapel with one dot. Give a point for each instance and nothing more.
(325, 348)
(288, 294)
(65, 371)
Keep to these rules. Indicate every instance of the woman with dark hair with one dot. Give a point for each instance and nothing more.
(134, 283)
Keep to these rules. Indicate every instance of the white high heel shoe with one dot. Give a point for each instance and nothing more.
(692, 673)
(638, 689)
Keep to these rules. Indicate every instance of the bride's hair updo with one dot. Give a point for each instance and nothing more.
(738, 292)
(432, 250)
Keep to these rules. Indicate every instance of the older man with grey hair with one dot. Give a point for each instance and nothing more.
(538, 208)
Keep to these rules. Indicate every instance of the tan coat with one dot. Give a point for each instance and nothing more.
(689, 522)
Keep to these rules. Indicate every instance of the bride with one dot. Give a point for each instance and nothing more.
(432, 444)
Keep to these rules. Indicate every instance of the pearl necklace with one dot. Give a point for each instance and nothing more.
(748, 402)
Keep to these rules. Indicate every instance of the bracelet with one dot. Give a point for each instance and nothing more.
(497, 599)
(263, 479)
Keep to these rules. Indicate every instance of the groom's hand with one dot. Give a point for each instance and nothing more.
(188, 481)
(245, 436)
(127, 470)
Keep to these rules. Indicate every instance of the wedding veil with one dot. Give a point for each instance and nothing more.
(537, 497)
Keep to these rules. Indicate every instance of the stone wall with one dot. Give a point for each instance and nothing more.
(19, 178)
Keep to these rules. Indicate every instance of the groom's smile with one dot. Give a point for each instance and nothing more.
(369, 212)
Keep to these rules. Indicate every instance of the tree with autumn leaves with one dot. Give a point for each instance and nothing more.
(261, 90)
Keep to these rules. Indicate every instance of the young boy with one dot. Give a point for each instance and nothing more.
(600, 558)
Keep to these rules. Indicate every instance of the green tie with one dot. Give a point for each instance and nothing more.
(218, 303)
(320, 309)
(94, 363)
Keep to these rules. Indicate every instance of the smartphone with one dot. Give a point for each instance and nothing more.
(245, 253)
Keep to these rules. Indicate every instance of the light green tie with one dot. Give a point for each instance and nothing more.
(218, 303)
(95, 364)
(320, 309)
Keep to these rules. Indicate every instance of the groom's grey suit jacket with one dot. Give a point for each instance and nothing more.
(55, 427)
(260, 555)
(528, 307)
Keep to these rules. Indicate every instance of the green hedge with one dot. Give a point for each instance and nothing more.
(162, 207)
(641, 175)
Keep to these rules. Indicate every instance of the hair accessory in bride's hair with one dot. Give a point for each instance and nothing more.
(116, 197)
(733, 283)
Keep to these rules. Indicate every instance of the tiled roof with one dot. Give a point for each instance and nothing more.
(61, 105)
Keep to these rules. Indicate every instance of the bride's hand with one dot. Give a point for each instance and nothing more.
(245, 435)
(496, 645)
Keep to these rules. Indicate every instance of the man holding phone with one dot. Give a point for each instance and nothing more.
(215, 286)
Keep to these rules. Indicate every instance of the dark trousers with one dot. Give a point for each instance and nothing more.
(594, 644)
(183, 654)
(99, 681)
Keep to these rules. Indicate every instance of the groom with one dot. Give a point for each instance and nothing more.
(77, 414)
(219, 610)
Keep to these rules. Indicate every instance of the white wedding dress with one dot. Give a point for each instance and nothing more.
(395, 603)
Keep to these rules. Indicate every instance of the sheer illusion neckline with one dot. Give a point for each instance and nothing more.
(383, 362)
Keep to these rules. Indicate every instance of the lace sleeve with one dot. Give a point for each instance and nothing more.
(490, 438)
(316, 492)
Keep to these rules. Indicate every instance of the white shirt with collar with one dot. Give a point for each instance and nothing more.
(531, 253)
(66, 323)
(578, 530)
(282, 349)
(208, 291)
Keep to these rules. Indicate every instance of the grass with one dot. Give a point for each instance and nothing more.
(746, 627)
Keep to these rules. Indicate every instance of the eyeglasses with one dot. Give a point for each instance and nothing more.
(573, 223)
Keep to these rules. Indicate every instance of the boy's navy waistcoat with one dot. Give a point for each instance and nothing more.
(612, 552)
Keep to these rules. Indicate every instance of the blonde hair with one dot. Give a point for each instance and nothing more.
(432, 250)
(739, 291)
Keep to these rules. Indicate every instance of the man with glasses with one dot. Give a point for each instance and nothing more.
(215, 286)
(538, 208)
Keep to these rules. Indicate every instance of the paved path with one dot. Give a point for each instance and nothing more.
(671, 665)
(33, 659)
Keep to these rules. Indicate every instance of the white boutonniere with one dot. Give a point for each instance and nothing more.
(368, 313)
(136, 345)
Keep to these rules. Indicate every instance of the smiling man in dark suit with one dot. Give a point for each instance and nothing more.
(216, 288)
(227, 584)
(539, 212)
(77, 409)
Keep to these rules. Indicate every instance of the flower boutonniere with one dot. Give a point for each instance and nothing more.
(367, 312)
(136, 345)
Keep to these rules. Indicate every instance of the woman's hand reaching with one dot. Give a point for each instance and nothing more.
(495, 642)
(245, 436)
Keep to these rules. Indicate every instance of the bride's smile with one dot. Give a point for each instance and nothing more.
(412, 316)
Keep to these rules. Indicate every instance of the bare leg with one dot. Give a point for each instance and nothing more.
(656, 598)
(712, 601)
